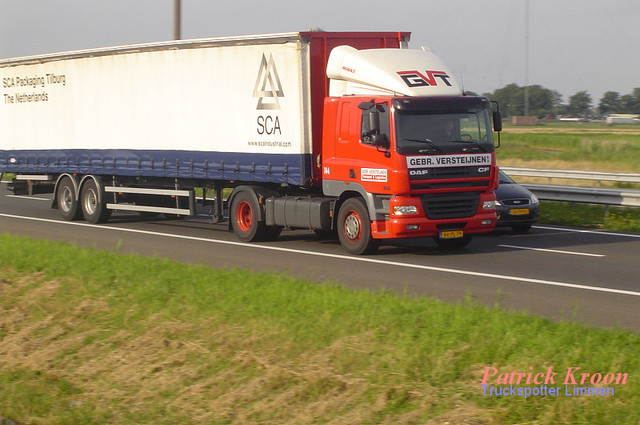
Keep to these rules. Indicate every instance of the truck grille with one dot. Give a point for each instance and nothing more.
(448, 185)
(450, 205)
(451, 173)
(435, 178)
(521, 201)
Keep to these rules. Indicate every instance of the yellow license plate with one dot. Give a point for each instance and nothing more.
(519, 211)
(451, 234)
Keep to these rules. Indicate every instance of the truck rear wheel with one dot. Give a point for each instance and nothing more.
(66, 200)
(354, 227)
(92, 202)
(244, 218)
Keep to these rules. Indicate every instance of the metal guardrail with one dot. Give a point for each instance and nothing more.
(587, 195)
(572, 174)
(621, 197)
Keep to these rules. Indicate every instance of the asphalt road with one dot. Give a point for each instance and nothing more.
(588, 276)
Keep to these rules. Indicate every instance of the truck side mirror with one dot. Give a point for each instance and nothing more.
(377, 139)
(380, 140)
(374, 122)
(497, 121)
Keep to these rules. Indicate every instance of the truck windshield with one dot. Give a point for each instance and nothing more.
(443, 132)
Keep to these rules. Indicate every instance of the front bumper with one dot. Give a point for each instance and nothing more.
(418, 225)
(506, 218)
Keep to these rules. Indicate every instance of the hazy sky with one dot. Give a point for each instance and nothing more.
(575, 45)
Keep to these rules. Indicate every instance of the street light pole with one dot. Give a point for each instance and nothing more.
(526, 58)
(176, 19)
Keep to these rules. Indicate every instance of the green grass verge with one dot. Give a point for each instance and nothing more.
(590, 216)
(605, 151)
(97, 337)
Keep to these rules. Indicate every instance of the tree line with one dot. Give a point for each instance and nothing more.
(544, 102)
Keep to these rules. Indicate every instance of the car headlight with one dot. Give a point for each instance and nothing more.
(498, 204)
(534, 199)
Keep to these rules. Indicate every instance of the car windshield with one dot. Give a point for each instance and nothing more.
(504, 179)
(443, 132)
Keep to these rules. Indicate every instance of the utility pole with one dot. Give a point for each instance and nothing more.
(176, 19)
(526, 58)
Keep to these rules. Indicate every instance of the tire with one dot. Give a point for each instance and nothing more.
(244, 218)
(453, 244)
(66, 200)
(354, 227)
(92, 202)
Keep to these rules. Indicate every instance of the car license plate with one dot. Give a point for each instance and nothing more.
(519, 211)
(451, 234)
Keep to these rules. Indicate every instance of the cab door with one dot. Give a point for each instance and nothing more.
(373, 162)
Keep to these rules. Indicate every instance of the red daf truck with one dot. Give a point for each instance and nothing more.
(347, 132)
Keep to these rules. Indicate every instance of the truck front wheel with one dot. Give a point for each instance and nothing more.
(354, 227)
(244, 218)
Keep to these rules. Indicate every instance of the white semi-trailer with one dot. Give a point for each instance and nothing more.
(326, 131)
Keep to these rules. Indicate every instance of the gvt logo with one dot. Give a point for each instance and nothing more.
(268, 85)
(417, 79)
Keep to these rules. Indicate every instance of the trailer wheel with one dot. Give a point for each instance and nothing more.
(244, 218)
(94, 208)
(66, 200)
(354, 227)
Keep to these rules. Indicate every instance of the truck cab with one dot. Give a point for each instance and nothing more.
(411, 155)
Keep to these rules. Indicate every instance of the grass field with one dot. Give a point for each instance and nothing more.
(91, 337)
(590, 216)
(593, 147)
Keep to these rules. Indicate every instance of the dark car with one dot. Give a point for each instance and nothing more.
(516, 206)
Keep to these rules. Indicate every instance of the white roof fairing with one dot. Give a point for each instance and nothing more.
(389, 71)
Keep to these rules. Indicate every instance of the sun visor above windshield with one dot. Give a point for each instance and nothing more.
(392, 71)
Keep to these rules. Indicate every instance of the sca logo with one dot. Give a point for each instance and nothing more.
(268, 87)
(418, 79)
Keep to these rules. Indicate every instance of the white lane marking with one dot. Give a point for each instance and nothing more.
(593, 232)
(340, 257)
(28, 197)
(555, 251)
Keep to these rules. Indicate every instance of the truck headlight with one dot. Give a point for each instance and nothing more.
(489, 205)
(405, 210)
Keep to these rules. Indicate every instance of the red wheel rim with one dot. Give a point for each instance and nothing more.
(244, 216)
(352, 226)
